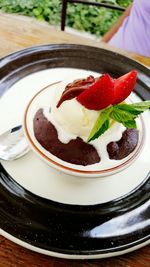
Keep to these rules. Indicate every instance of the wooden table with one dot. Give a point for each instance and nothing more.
(18, 32)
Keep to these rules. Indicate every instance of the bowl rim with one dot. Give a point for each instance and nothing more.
(71, 170)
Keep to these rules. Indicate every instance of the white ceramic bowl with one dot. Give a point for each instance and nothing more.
(44, 99)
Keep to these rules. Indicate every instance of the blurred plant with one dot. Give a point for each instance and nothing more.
(96, 20)
(81, 17)
(48, 10)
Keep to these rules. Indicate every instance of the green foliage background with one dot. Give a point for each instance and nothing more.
(81, 17)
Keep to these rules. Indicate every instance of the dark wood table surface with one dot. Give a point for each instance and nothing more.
(18, 32)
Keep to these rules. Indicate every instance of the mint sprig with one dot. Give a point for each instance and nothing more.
(122, 113)
(101, 125)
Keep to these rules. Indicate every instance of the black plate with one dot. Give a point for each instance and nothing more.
(74, 230)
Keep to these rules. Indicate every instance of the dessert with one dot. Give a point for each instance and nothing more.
(88, 122)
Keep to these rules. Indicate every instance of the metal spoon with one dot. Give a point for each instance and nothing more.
(13, 144)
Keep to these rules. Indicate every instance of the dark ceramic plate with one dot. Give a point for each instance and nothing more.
(63, 230)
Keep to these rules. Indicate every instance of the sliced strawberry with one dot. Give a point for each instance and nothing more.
(123, 86)
(99, 95)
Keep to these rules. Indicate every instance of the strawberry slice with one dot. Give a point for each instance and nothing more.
(99, 95)
(123, 86)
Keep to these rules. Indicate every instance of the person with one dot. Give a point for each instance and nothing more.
(132, 31)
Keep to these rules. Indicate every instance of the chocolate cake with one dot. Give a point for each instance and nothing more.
(76, 151)
(125, 146)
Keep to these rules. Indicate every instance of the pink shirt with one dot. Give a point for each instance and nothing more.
(134, 34)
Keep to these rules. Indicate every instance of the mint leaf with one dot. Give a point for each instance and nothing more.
(136, 108)
(121, 115)
(126, 113)
(129, 109)
(130, 124)
(144, 105)
(103, 129)
(101, 124)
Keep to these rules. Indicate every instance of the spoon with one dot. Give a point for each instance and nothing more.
(13, 144)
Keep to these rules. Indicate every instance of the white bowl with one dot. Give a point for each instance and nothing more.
(44, 99)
